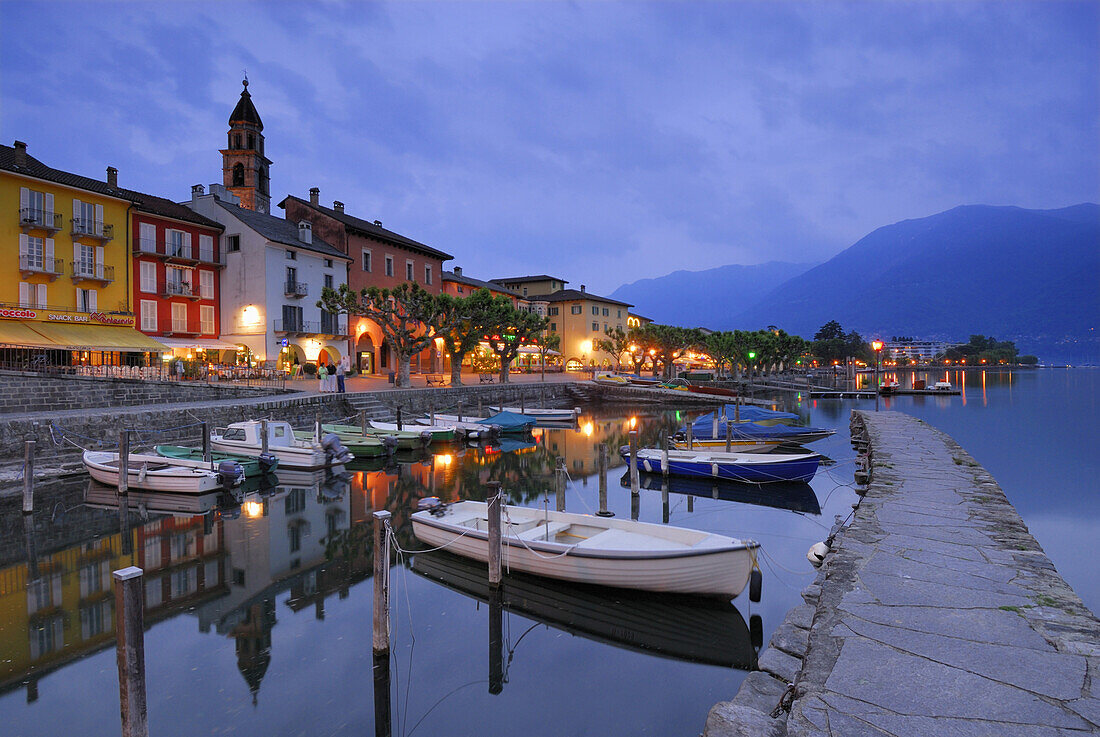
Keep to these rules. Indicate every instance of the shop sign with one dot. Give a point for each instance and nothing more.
(97, 318)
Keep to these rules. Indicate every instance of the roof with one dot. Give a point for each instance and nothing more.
(468, 281)
(245, 112)
(537, 277)
(144, 202)
(641, 317)
(279, 230)
(370, 229)
(573, 295)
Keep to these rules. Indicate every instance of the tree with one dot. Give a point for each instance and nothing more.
(461, 323)
(670, 341)
(508, 328)
(548, 342)
(616, 343)
(723, 348)
(406, 315)
(830, 331)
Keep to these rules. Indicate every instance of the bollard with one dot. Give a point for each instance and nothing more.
(130, 629)
(265, 441)
(207, 456)
(28, 476)
(729, 435)
(123, 461)
(381, 583)
(364, 423)
(495, 542)
(399, 428)
(634, 481)
(601, 466)
(690, 436)
(559, 483)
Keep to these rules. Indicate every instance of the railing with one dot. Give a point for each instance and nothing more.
(206, 254)
(177, 289)
(333, 326)
(33, 217)
(34, 264)
(154, 247)
(184, 327)
(93, 228)
(296, 326)
(295, 289)
(91, 270)
(178, 250)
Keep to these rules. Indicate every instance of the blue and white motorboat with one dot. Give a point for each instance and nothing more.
(786, 434)
(756, 468)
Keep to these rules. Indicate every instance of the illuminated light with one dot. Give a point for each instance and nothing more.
(752, 354)
(588, 428)
(876, 345)
(586, 346)
(253, 509)
(250, 315)
(446, 459)
(652, 352)
(633, 422)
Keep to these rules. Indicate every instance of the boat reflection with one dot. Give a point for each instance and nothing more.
(698, 630)
(795, 496)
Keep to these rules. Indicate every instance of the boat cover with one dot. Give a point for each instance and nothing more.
(509, 421)
(748, 412)
(752, 431)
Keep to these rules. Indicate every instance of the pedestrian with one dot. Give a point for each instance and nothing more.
(179, 369)
(296, 370)
(322, 377)
(341, 371)
(331, 377)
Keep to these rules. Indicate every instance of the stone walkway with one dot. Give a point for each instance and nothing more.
(935, 613)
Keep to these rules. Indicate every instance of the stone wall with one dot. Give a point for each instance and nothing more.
(25, 392)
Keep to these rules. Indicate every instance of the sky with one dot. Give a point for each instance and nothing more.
(599, 142)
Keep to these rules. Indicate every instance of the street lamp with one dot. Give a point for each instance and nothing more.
(876, 346)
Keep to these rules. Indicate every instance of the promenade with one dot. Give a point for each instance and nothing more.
(935, 613)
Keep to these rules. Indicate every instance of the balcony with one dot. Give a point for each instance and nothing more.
(183, 327)
(178, 289)
(91, 271)
(295, 289)
(88, 228)
(30, 265)
(301, 327)
(334, 326)
(31, 218)
(175, 252)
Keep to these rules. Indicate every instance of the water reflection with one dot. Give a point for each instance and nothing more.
(795, 496)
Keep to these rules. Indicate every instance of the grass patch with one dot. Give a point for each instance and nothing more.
(958, 461)
(1008, 608)
(1044, 600)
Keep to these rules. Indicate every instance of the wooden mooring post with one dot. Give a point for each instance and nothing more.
(383, 721)
(729, 435)
(123, 461)
(601, 466)
(28, 476)
(559, 484)
(635, 482)
(207, 456)
(496, 641)
(381, 635)
(399, 424)
(495, 543)
(364, 423)
(130, 631)
(265, 441)
(664, 453)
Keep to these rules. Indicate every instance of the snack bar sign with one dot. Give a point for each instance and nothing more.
(90, 318)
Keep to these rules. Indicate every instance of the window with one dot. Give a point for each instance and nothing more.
(596, 327)
(206, 247)
(366, 260)
(32, 295)
(620, 314)
(178, 280)
(605, 311)
(552, 311)
(149, 315)
(428, 275)
(525, 291)
(408, 270)
(206, 317)
(251, 141)
(328, 263)
(291, 255)
(87, 217)
(460, 290)
(553, 326)
(389, 265)
(576, 310)
(85, 300)
(206, 284)
(328, 281)
(595, 310)
(291, 278)
(84, 260)
(618, 327)
(178, 243)
(233, 243)
(179, 317)
(35, 207)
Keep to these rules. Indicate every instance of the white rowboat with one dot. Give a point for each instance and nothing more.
(542, 414)
(157, 473)
(595, 550)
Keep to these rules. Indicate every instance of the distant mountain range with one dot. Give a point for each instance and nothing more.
(1032, 276)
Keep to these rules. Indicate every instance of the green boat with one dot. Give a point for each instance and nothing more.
(252, 465)
(406, 439)
(361, 447)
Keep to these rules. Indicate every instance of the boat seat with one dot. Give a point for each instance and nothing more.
(614, 539)
(542, 531)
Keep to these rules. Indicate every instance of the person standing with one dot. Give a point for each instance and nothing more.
(179, 370)
(296, 369)
(341, 371)
(322, 377)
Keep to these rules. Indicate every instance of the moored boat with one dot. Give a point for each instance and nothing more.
(157, 473)
(439, 433)
(785, 434)
(611, 380)
(253, 465)
(595, 550)
(736, 445)
(542, 414)
(292, 452)
(751, 467)
(472, 430)
(797, 496)
(504, 422)
(367, 446)
(411, 439)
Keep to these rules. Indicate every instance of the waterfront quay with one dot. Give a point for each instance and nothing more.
(935, 612)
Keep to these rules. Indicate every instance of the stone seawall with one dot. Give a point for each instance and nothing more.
(22, 392)
(935, 612)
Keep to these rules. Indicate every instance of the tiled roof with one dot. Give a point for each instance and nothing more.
(479, 284)
(537, 277)
(144, 202)
(279, 230)
(572, 295)
(245, 112)
(370, 229)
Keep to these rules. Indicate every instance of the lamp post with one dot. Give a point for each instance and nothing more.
(876, 346)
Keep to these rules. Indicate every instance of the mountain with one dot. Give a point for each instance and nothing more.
(705, 298)
(1032, 276)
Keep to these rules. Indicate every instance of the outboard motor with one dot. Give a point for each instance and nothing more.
(335, 450)
(230, 473)
(389, 442)
(428, 502)
(268, 461)
(495, 431)
(426, 437)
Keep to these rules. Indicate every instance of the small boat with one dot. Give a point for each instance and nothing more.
(677, 384)
(102, 496)
(888, 386)
(472, 430)
(786, 434)
(411, 439)
(744, 413)
(942, 386)
(439, 433)
(611, 380)
(736, 446)
(753, 467)
(797, 496)
(506, 422)
(595, 550)
(542, 414)
(292, 452)
(157, 473)
(362, 446)
(639, 381)
(256, 465)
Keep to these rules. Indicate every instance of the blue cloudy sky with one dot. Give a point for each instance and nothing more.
(602, 142)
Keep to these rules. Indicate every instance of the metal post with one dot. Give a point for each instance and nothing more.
(130, 629)
(364, 423)
(875, 387)
(206, 454)
(559, 483)
(381, 583)
(729, 436)
(495, 542)
(265, 441)
(28, 476)
(634, 481)
(399, 423)
(123, 461)
(601, 465)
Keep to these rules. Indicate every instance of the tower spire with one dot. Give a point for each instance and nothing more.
(244, 165)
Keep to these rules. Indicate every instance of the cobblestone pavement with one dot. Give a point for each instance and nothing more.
(935, 613)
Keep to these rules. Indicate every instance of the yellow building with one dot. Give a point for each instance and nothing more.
(65, 296)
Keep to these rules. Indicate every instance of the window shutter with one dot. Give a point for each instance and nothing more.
(24, 198)
(148, 234)
(22, 244)
(99, 213)
(187, 245)
(23, 286)
(92, 307)
(49, 253)
(76, 253)
(41, 295)
(99, 259)
(76, 209)
(49, 205)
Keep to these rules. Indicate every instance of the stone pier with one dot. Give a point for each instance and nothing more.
(935, 613)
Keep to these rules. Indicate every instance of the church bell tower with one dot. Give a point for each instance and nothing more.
(244, 166)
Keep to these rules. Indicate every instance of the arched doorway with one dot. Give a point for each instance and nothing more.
(365, 359)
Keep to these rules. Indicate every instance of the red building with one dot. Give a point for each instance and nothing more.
(177, 257)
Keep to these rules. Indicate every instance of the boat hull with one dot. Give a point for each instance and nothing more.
(783, 468)
(288, 457)
(175, 479)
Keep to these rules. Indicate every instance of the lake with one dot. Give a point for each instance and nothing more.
(259, 615)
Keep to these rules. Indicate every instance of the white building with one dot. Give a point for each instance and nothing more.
(920, 350)
(273, 276)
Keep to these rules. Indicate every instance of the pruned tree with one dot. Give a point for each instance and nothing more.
(616, 343)
(508, 329)
(548, 342)
(461, 323)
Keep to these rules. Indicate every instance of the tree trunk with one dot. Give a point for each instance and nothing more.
(542, 364)
(456, 370)
(504, 370)
(403, 370)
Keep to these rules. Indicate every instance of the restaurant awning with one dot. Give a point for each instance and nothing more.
(200, 343)
(93, 338)
(18, 332)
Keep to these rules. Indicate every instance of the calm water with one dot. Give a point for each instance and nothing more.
(260, 616)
